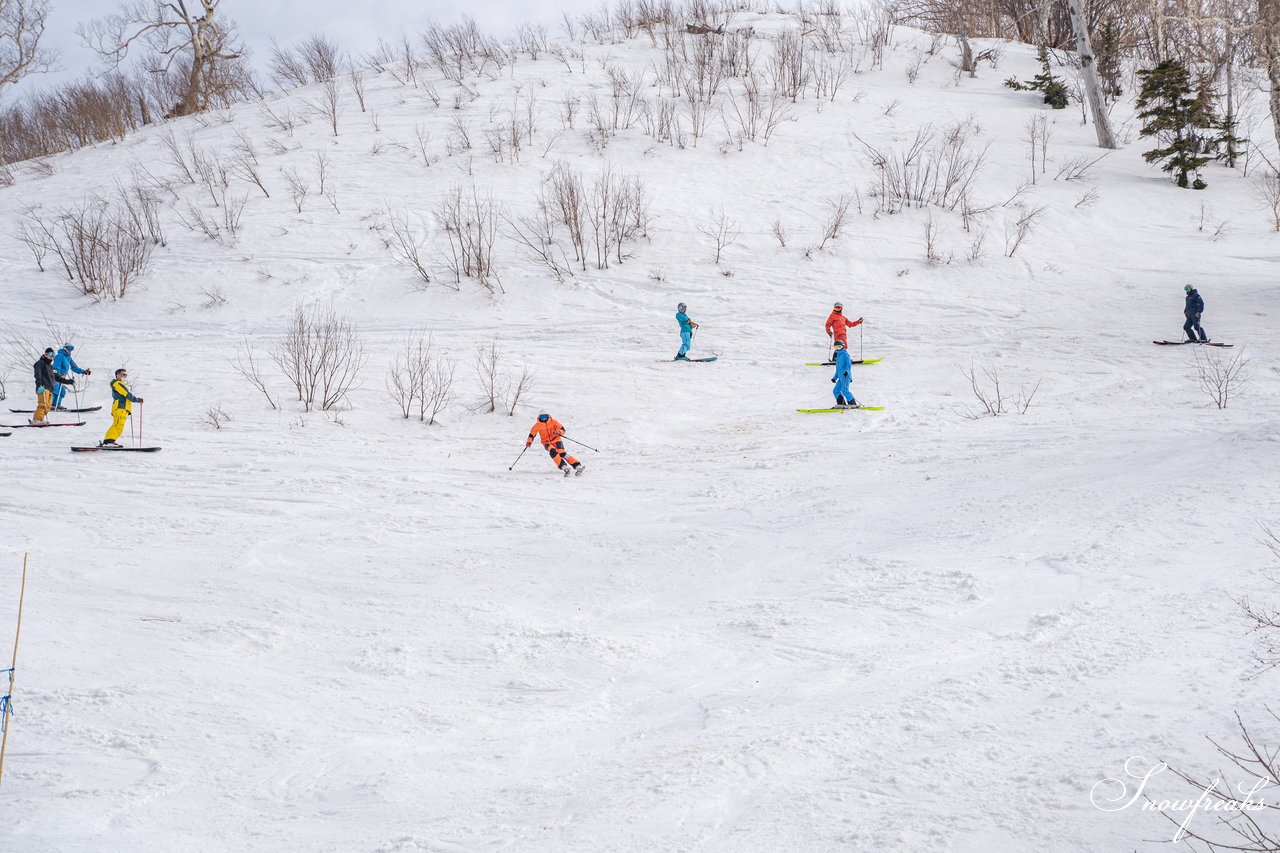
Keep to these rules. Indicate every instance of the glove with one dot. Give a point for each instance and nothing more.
(528, 444)
(141, 401)
(833, 380)
(65, 380)
(88, 372)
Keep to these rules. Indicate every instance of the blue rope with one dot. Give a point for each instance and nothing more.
(6, 703)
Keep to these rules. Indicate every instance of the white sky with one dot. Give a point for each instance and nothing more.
(355, 25)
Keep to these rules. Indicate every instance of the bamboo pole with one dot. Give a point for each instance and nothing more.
(17, 634)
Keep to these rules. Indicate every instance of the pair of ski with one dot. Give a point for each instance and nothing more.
(67, 411)
(832, 363)
(1184, 343)
(690, 360)
(78, 449)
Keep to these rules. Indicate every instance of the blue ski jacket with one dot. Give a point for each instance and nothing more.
(844, 365)
(1195, 304)
(65, 365)
(686, 325)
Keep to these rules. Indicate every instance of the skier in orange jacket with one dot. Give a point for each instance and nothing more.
(549, 431)
(838, 326)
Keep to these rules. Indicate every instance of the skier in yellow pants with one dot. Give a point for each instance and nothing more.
(122, 401)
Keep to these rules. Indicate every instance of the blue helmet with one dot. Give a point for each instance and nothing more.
(68, 347)
(544, 417)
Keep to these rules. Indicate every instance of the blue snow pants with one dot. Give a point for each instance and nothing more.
(1193, 322)
(686, 340)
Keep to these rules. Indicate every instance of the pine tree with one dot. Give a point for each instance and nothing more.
(1172, 114)
(1055, 93)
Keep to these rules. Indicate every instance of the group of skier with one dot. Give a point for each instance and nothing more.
(55, 372)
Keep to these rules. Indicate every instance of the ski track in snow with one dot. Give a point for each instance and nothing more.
(742, 629)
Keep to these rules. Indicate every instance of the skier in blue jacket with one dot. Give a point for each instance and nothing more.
(844, 375)
(64, 365)
(686, 332)
(1192, 311)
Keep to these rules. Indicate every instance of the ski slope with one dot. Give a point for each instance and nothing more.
(743, 629)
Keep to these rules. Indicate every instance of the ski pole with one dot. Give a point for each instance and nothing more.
(139, 424)
(575, 441)
(860, 325)
(518, 458)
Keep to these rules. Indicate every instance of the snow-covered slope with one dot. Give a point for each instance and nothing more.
(744, 629)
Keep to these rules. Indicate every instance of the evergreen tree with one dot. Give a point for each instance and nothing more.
(1055, 93)
(1172, 113)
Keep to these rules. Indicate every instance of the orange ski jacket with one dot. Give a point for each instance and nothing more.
(545, 432)
(838, 324)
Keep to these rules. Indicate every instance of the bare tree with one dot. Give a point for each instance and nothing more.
(22, 24)
(520, 388)
(1222, 379)
(1017, 230)
(994, 397)
(721, 230)
(421, 378)
(1266, 187)
(404, 244)
(246, 363)
(470, 222)
(321, 354)
(494, 380)
(183, 35)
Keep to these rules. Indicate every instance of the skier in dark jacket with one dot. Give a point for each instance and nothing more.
(1192, 311)
(46, 379)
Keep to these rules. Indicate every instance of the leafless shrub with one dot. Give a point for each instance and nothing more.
(44, 168)
(537, 233)
(104, 245)
(246, 364)
(299, 189)
(1037, 133)
(329, 103)
(1266, 187)
(494, 379)
(20, 346)
(1243, 820)
(518, 389)
(1090, 197)
(469, 221)
(286, 67)
(935, 168)
(321, 354)
(322, 56)
(214, 296)
(421, 378)
(994, 398)
(283, 119)
(1017, 230)
(836, 219)
(1265, 617)
(780, 233)
(1222, 378)
(326, 187)
(1078, 168)
(931, 252)
(246, 168)
(356, 79)
(721, 230)
(215, 416)
(404, 243)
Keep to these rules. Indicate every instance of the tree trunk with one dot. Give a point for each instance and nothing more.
(1269, 13)
(1089, 70)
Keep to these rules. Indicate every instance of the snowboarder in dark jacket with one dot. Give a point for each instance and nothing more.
(1192, 311)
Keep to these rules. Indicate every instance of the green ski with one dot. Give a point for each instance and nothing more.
(830, 363)
(845, 409)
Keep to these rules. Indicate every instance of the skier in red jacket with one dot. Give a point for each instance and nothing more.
(838, 326)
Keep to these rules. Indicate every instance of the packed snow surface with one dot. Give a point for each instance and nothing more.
(743, 629)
